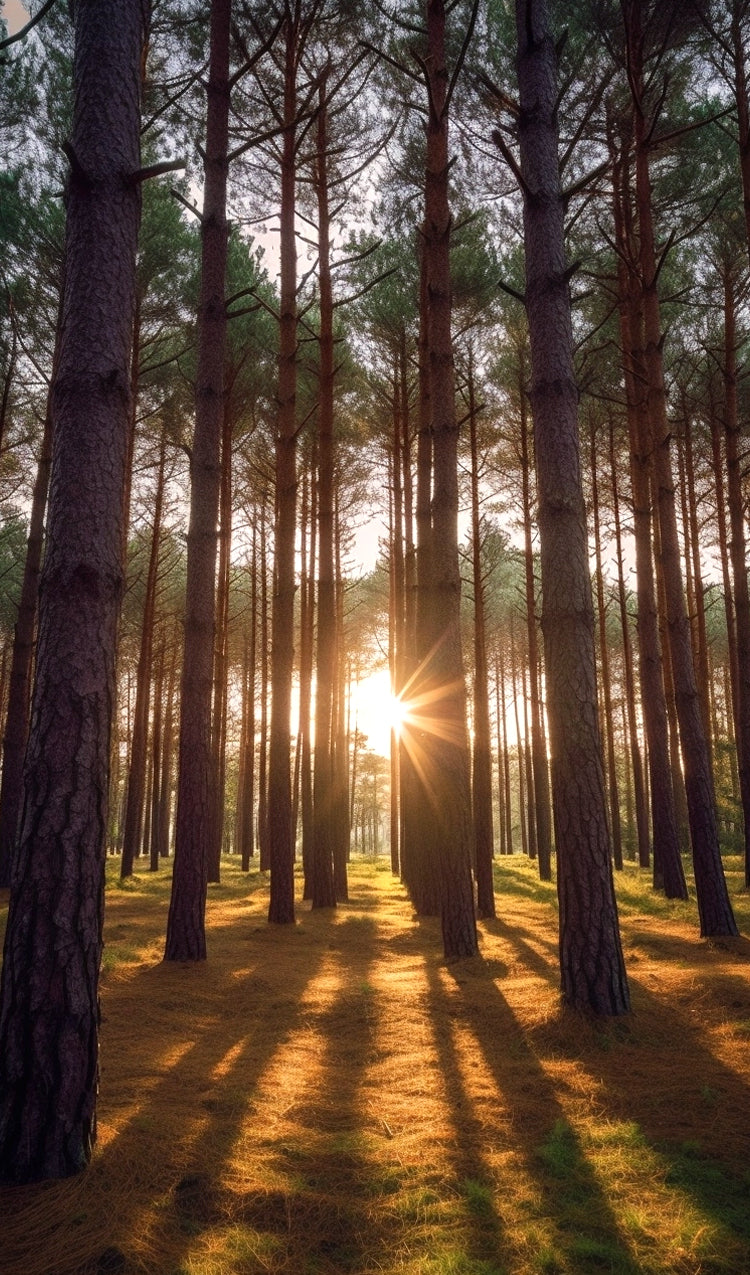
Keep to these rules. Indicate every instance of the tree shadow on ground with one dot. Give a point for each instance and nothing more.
(205, 1029)
(581, 1231)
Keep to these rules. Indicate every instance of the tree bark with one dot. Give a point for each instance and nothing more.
(323, 889)
(49, 1019)
(481, 760)
(440, 687)
(737, 554)
(636, 762)
(186, 937)
(591, 961)
(280, 832)
(540, 770)
(21, 665)
(136, 783)
(668, 870)
(714, 907)
(614, 795)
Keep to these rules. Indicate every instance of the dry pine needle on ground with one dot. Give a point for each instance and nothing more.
(331, 1097)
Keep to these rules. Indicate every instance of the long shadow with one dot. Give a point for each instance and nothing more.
(155, 1163)
(468, 1152)
(528, 948)
(587, 1235)
(323, 1219)
(690, 1106)
(656, 1073)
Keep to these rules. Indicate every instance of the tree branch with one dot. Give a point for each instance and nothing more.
(12, 39)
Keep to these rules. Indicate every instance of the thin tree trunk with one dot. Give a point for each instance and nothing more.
(136, 783)
(614, 795)
(714, 907)
(157, 754)
(221, 657)
(324, 891)
(667, 866)
(186, 937)
(481, 761)
(280, 840)
(309, 518)
(542, 811)
(636, 762)
(263, 832)
(737, 553)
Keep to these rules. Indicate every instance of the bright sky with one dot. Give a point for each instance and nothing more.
(15, 15)
(372, 708)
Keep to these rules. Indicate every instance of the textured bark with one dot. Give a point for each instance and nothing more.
(416, 812)
(21, 664)
(186, 937)
(614, 795)
(340, 750)
(443, 739)
(220, 694)
(136, 784)
(631, 718)
(694, 574)
(323, 889)
(540, 769)
(737, 555)
(49, 1018)
(592, 967)
(668, 870)
(280, 832)
(481, 758)
(263, 833)
(157, 757)
(714, 907)
(306, 657)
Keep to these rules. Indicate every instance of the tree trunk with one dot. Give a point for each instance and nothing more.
(136, 784)
(593, 971)
(614, 795)
(220, 697)
(21, 664)
(737, 554)
(481, 761)
(714, 907)
(323, 891)
(50, 1013)
(668, 870)
(263, 833)
(186, 937)
(308, 520)
(542, 812)
(157, 755)
(280, 833)
(636, 762)
(441, 688)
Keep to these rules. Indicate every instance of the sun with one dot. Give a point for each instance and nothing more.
(379, 713)
(397, 712)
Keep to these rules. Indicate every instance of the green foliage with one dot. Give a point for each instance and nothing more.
(13, 533)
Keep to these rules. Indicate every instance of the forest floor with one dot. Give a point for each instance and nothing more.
(331, 1097)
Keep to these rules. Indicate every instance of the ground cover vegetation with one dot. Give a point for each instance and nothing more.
(338, 1099)
(472, 278)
